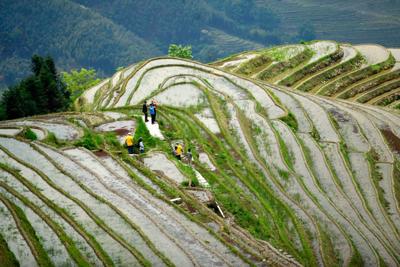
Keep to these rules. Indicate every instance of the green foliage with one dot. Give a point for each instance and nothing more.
(277, 54)
(180, 51)
(51, 139)
(142, 131)
(291, 121)
(111, 139)
(372, 157)
(40, 93)
(283, 174)
(331, 258)
(344, 151)
(77, 81)
(7, 257)
(75, 36)
(104, 34)
(315, 134)
(90, 140)
(285, 153)
(356, 260)
(29, 134)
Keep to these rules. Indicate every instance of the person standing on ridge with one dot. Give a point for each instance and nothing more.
(179, 151)
(189, 156)
(129, 143)
(152, 109)
(144, 110)
(141, 145)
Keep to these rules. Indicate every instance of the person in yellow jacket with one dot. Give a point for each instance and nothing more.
(179, 151)
(129, 143)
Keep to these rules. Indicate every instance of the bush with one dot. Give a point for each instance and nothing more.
(90, 141)
(180, 51)
(29, 134)
(77, 81)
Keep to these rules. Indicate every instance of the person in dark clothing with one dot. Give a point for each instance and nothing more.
(144, 110)
(152, 109)
(189, 157)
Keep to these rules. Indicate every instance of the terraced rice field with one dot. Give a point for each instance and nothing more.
(364, 73)
(279, 177)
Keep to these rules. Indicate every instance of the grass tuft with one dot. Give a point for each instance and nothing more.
(291, 121)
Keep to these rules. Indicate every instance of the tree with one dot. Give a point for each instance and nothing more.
(180, 51)
(40, 93)
(77, 81)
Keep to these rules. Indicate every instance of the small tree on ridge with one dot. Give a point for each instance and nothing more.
(180, 51)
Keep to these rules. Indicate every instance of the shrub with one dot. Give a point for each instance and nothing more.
(77, 81)
(29, 134)
(90, 141)
(180, 51)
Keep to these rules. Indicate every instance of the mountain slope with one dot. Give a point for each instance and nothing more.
(72, 34)
(109, 34)
(354, 22)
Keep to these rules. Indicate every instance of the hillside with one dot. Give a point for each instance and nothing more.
(73, 35)
(366, 73)
(108, 34)
(347, 21)
(279, 178)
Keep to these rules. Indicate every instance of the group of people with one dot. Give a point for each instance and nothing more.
(130, 144)
(178, 153)
(152, 109)
(129, 141)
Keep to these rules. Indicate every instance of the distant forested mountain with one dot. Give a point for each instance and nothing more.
(72, 34)
(108, 34)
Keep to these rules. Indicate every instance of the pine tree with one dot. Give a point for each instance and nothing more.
(39, 93)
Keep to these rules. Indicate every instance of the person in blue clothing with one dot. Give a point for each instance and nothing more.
(153, 112)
